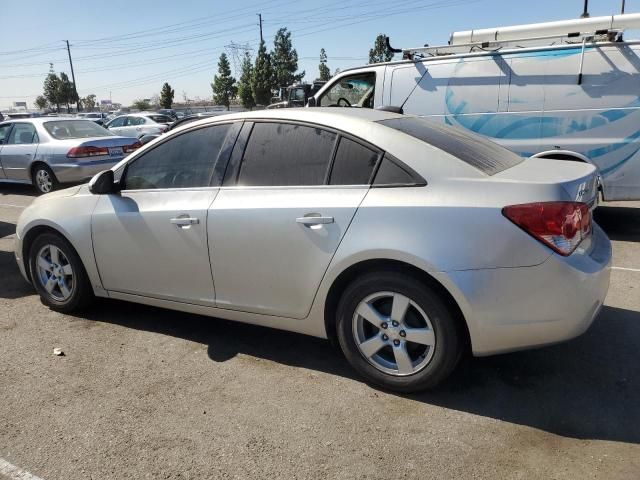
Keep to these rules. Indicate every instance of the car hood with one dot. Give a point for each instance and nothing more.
(66, 192)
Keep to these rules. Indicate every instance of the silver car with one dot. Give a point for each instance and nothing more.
(49, 151)
(139, 124)
(405, 241)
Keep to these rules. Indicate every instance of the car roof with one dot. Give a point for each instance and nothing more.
(41, 120)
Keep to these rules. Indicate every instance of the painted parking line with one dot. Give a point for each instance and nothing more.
(15, 473)
(626, 269)
(10, 205)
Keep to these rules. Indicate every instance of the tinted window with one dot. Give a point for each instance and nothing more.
(392, 173)
(185, 161)
(353, 164)
(22, 134)
(117, 122)
(4, 131)
(280, 154)
(477, 151)
(161, 118)
(64, 129)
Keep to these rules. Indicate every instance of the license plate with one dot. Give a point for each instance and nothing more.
(115, 151)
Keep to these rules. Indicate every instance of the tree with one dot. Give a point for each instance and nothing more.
(223, 86)
(52, 89)
(380, 51)
(245, 87)
(141, 104)
(68, 93)
(284, 60)
(262, 77)
(166, 96)
(41, 103)
(325, 73)
(89, 102)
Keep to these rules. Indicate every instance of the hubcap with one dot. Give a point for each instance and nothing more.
(55, 273)
(43, 180)
(393, 333)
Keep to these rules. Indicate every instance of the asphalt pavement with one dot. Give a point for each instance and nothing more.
(147, 393)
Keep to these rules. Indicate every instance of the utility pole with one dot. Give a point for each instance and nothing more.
(260, 24)
(73, 76)
(622, 10)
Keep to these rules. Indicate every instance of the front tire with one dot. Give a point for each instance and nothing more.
(43, 179)
(58, 275)
(397, 332)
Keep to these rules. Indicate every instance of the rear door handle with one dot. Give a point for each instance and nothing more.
(183, 221)
(314, 220)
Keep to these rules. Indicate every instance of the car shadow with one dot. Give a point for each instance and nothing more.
(7, 229)
(12, 285)
(18, 189)
(620, 223)
(587, 388)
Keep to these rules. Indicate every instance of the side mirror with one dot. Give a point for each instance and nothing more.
(103, 183)
(311, 102)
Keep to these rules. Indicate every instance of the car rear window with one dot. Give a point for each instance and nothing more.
(64, 129)
(485, 155)
(161, 118)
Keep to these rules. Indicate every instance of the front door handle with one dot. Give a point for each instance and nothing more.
(184, 221)
(314, 220)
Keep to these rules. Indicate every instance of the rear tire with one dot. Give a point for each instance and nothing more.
(58, 275)
(43, 178)
(417, 341)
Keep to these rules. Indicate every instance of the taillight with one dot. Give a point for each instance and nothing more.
(132, 147)
(87, 151)
(559, 225)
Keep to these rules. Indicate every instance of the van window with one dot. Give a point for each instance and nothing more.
(351, 91)
(488, 157)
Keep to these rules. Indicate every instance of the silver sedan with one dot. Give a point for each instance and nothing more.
(49, 151)
(403, 240)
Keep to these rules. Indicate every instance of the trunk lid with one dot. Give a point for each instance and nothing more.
(578, 180)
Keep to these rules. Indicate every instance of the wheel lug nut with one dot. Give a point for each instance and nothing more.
(384, 325)
(385, 337)
(403, 333)
(394, 323)
(396, 342)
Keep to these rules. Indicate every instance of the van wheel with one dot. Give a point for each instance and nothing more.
(397, 333)
(43, 178)
(58, 275)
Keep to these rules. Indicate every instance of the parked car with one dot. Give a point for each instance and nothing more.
(98, 117)
(139, 124)
(169, 112)
(181, 121)
(49, 151)
(571, 101)
(405, 240)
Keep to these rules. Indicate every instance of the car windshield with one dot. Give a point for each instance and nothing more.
(64, 129)
(485, 155)
(160, 118)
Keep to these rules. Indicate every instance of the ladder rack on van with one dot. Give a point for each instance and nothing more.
(607, 28)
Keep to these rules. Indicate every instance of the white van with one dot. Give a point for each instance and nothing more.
(578, 101)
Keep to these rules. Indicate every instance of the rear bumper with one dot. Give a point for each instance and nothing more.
(73, 172)
(515, 308)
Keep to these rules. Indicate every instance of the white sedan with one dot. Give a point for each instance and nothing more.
(139, 124)
(405, 240)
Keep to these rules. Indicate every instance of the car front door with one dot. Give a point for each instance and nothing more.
(150, 239)
(279, 219)
(5, 129)
(19, 151)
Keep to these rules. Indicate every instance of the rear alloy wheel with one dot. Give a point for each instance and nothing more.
(397, 332)
(44, 179)
(58, 274)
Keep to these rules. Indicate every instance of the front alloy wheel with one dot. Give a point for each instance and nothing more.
(55, 273)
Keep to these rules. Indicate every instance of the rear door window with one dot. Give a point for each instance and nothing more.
(353, 163)
(485, 155)
(282, 154)
(23, 134)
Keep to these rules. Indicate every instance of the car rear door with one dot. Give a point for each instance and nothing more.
(276, 224)
(19, 151)
(116, 125)
(150, 239)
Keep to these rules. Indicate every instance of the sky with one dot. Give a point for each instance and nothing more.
(126, 49)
